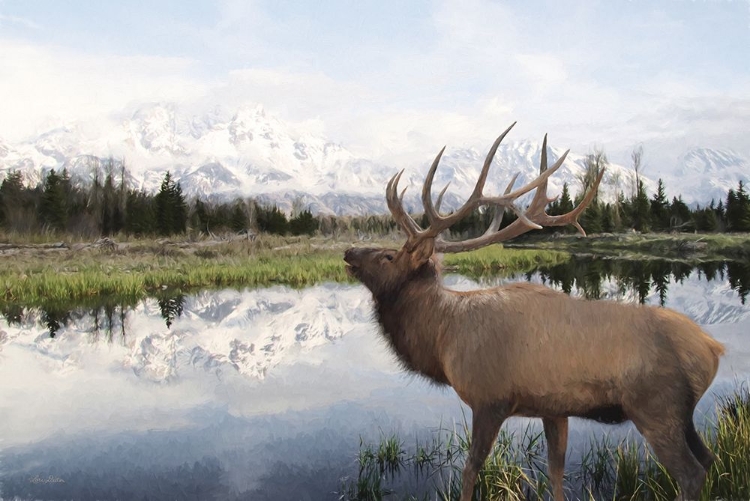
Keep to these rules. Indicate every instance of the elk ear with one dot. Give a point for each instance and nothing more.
(422, 252)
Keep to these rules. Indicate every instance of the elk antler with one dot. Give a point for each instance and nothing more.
(533, 218)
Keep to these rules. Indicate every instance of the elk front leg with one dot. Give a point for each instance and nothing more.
(485, 424)
(556, 433)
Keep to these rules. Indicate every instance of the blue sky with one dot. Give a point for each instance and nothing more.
(392, 79)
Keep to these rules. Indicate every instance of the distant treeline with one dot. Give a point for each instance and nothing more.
(107, 206)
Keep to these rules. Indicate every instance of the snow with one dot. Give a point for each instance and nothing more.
(249, 152)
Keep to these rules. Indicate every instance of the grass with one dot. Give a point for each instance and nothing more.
(140, 268)
(516, 468)
(491, 261)
(34, 275)
(681, 246)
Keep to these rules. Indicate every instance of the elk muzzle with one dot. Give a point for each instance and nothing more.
(354, 258)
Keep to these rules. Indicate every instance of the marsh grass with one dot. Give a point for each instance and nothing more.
(688, 247)
(494, 261)
(140, 268)
(516, 468)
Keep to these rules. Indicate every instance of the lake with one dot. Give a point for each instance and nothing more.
(266, 393)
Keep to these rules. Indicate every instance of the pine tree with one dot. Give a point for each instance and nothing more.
(641, 209)
(705, 218)
(239, 220)
(306, 224)
(566, 204)
(591, 219)
(743, 209)
(608, 223)
(164, 209)
(11, 191)
(199, 219)
(660, 209)
(272, 220)
(563, 204)
(108, 201)
(721, 213)
(139, 214)
(679, 214)
(177, 199)
(53, 210)
(170, 206)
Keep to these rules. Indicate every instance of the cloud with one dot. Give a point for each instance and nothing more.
(18, 21)
(589, 74)
(51, 84)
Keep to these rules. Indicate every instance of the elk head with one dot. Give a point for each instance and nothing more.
(384, 271)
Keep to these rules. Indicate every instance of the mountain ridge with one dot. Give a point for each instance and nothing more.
(222, 154)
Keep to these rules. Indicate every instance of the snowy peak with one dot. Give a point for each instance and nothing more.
(158, 129)
(250, 152)
(707, 174)
(708, 161)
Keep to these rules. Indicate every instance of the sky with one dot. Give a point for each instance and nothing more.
(394, 80)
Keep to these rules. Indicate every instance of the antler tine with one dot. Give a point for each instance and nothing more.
(497, 220)
(536, 183)
(432, 215)
(519, 227)
(572, 216)
(541, 200)
(396, 206)
(439, 223)
(534, 217)
(440, 197)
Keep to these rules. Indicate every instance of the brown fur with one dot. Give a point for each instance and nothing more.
(527, 350)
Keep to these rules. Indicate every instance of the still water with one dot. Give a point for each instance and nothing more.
(264, 394)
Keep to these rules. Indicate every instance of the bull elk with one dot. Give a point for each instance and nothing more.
(527, 350)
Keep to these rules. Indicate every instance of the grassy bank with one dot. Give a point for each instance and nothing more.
(37, 275)
(681, 246)
(516, 468)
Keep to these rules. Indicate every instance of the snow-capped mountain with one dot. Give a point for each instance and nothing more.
(248, 152)
(706, 174)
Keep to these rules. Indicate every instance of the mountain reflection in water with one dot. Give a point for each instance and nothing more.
(263, 394)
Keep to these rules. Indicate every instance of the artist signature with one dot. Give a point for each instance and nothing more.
(48, 480)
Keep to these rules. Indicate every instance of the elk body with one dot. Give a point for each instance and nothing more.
(527, 350)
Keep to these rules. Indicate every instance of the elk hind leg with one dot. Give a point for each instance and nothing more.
(668, 439)
(556, 433)
(702, 453)
(485, 424)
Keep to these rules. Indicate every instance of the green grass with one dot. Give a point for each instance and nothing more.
(491, 261)
(137, 269)
(35, 276)
(516, 468)
(681, 246)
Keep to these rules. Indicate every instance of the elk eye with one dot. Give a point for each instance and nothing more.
(389, 257)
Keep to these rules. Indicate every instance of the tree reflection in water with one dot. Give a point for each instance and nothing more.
(171, 307)
(109, 318)
(586, 275)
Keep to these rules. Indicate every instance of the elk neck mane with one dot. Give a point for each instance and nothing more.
(406, 312)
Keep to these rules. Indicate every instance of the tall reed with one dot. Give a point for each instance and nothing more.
(516, 468)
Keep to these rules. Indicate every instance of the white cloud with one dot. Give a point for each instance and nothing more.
(44, 85)
(18, 21)
(586, 74)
